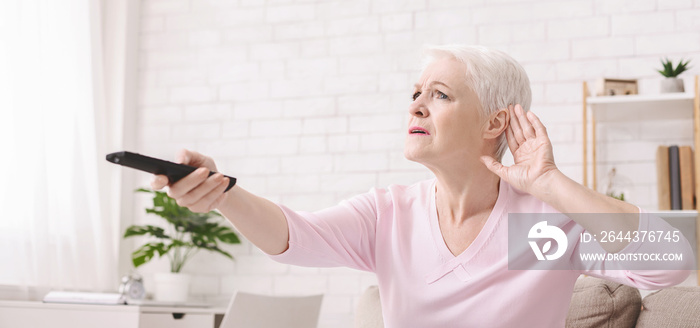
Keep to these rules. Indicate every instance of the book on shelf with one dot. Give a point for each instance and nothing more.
(662, 178)
(685, 155)
(675, 178)
(84, 298)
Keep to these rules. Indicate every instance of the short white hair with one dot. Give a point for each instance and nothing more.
(496, 78)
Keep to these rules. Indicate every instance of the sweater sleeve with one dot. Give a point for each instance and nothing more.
(342, 235)
(661, 258)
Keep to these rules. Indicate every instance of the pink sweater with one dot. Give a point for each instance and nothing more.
(394, 233)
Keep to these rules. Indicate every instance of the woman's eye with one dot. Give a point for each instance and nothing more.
(416, 95)
(442, 95)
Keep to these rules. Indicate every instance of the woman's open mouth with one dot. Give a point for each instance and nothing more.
(418, 130)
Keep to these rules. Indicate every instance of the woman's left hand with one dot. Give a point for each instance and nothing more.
(532, 153)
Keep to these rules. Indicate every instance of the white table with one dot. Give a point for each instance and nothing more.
(38, 315)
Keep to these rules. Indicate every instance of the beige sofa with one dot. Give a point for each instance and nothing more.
(595, 303)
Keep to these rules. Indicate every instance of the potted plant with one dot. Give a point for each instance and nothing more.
(187, 233)
(672, 83)
(617, 186)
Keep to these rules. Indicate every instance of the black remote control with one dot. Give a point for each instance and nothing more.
(173, 171)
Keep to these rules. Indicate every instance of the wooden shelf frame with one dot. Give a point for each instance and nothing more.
(603, 102)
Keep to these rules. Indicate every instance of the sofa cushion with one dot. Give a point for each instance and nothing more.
(601, 303)
(671, 307)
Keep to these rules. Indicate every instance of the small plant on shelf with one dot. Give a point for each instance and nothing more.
(672, 83)
(616, 185)
(620, 196)
(670, 71)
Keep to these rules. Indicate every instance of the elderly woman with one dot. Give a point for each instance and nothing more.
(439, 247)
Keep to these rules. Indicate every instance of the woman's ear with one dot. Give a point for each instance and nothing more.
(497, 123)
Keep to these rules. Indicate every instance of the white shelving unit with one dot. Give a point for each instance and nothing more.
(676, 106)
(636, 108)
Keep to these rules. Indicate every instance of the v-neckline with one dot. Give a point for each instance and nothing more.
(483, 235)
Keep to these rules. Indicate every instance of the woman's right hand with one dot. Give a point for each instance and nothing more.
(197, 191)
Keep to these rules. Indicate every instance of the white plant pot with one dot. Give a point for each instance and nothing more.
(172, 287)
(672, 84)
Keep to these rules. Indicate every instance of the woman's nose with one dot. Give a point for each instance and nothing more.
(418, 108)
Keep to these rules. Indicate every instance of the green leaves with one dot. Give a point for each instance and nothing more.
(146, 252)
(222, 252)
(229, 237)
(154, 231)
(180, 217)
(188, 233)
(670, 71)
(620, 196)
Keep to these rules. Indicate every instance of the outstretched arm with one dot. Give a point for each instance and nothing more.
(534, 172)
(259, 220)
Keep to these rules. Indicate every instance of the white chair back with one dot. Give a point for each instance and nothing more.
(261, 311)
(368, 313)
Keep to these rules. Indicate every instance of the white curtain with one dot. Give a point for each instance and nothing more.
(60, 113)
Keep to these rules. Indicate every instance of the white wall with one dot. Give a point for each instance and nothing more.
(306, 101)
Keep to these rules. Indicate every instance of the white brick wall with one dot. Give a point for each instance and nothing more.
(306, 101)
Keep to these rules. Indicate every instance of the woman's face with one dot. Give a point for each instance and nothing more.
(445, 124)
